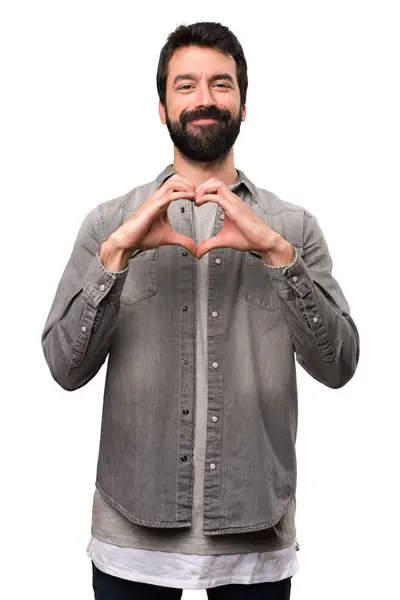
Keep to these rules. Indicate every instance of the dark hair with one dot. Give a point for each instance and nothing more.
(207, 35)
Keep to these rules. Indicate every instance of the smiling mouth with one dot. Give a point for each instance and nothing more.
(204, 121)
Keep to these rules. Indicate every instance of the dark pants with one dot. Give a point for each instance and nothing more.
(108, 587)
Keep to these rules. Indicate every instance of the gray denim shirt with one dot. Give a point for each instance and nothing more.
(260, 319)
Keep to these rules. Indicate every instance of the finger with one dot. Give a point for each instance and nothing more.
(154, 207)
(174, 186)
(178, 180)
(178, 239)
(165, 200)
(212, 186)
(210, 244)
(210, 198)
(178, 194)
(209, 186)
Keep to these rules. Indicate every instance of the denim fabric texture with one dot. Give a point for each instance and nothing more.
(144, 320)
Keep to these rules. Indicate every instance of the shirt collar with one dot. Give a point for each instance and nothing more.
(241, 180)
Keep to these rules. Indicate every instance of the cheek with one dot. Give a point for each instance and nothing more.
(232, 107)
(179, 108)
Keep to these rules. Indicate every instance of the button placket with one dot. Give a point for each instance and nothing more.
(185, 296)
(215, 382)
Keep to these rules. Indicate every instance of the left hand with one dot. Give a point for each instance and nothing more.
(241, 229)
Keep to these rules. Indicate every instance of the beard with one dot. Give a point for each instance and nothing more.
(205, 142)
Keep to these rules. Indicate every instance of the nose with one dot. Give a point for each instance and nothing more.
(204, 97)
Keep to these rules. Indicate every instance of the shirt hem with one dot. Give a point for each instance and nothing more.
(200, 584)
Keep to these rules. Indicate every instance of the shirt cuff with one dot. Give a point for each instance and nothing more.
(293, 276)
(99, 282)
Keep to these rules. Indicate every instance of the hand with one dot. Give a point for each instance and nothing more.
(242, 229)
(149, 227)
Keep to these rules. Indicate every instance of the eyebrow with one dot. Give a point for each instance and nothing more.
(193, 77)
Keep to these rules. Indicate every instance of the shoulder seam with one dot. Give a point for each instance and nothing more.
(307, 218)
(284, 208)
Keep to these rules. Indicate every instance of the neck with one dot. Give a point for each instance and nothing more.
(197, 172)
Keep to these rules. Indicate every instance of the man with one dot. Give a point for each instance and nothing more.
(202, 290)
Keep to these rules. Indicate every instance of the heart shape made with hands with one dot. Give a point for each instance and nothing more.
(241, 230)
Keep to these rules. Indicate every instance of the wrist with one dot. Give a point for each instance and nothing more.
(113, 257)
(282, 253)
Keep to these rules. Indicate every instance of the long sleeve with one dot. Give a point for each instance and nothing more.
(324, 336)
(79, 328)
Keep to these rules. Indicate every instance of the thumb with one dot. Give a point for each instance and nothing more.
(178, 239)
(208, 245)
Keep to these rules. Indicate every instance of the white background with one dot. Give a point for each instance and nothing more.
(80, 126)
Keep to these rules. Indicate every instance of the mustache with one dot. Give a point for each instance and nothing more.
(210, 113)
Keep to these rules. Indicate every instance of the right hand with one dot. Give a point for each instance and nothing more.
(149, 226)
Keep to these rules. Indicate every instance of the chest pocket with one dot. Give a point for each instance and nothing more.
(141, 281)
(259, 290)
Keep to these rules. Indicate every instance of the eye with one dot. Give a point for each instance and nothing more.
(185, 86)
(223, 85)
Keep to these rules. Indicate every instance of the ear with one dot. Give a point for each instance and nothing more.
(161, 112)
(244, 112)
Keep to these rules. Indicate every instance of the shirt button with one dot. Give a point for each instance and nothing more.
(185, 412)
(214, 419)
(185, 361)
(315, 319)
(214, 313)
(213, 466)
(218, 261)
(295, 278)
(183, 458)
(102, 287)
(184, 253)
(84, 329)
(182, 209)
(215, 365)
(222, 216)
(184, 307)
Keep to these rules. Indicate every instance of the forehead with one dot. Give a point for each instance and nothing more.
(204, 62)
